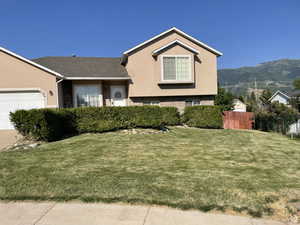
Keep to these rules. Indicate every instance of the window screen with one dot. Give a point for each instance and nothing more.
(177, 68)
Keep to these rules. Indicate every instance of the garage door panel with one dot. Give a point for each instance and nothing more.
(12, 101)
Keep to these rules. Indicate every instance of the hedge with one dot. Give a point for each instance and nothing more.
(203, 116)
(43, 124)
(269, 121)
(54, 124)
(95, 119)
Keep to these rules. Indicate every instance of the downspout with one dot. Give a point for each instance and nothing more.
(57, 82)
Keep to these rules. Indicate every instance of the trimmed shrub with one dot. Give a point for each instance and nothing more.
(170, 116)
(54, 124)
(203, 116)
(94, 119)
(42, 124)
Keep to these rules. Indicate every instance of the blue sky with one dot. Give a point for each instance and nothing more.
(247, 32)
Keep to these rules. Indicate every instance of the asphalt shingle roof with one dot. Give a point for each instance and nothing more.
(84, 66)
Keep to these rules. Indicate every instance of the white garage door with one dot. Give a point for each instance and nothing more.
(12, 101)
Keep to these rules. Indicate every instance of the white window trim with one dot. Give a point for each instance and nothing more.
(100, 93)
(176, 81)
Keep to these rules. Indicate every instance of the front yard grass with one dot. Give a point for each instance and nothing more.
(243, 171)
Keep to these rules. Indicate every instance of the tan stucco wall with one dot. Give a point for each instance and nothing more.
(174, 101)
(145, 70)
(17, 74)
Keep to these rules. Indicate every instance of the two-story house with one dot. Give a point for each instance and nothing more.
(170, 69)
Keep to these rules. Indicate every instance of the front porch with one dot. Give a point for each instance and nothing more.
(78, 93)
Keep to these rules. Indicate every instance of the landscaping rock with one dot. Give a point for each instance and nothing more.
(34, 145)
(295, 205)
(23, 144)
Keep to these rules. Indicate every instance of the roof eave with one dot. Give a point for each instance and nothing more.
(278, 92)
(31, 62)
(157, 51)
(216, 52)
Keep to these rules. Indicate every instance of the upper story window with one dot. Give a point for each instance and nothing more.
(176, 68)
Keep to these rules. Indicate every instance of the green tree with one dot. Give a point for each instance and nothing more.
(296, 84)
(224, 99)
(241, 98)
(265, 96)
(252, 105)
(295, 103)
(276, 117)
(252, 96)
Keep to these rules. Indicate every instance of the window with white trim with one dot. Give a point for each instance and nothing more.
(176, 68)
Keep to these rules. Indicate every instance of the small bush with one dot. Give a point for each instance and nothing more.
(42, 124)
(54, 124)
(203, 116)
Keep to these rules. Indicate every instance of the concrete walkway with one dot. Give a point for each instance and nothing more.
(49, 213)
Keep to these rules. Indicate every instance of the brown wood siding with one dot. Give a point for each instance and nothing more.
(238, 120)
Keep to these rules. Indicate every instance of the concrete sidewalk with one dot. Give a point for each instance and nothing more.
(49, 213)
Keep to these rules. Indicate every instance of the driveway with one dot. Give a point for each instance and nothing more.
(50, 213)
(8, 137)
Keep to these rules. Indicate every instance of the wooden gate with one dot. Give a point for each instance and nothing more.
(238, 120)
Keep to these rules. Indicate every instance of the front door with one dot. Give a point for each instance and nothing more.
(118, 95)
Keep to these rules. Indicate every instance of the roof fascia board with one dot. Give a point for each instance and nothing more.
(31, 62)
(180, 32)
(279, 92)
(157, 51)
(97, 78)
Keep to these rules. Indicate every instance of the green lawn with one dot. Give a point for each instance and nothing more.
(244, 171)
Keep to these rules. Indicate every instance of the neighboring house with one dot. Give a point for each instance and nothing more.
(295, 94)
(284, 99)
(280, 97)
(239, 106)
(170, 69)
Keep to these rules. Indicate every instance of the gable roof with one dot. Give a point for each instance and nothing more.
(174, 29)
(279, 93)
(157, 51)
(85, 67)
(31, 62)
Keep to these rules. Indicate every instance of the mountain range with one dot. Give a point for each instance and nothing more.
(273, 75)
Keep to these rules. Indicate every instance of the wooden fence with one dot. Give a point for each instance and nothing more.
(238, 120)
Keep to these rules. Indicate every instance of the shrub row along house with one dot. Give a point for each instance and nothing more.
(170, 69)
